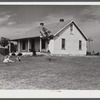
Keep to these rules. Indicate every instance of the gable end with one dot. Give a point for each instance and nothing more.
(75, 26)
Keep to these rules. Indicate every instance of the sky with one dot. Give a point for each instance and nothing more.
(19, 18)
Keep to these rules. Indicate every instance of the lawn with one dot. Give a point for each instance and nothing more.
(67, 73)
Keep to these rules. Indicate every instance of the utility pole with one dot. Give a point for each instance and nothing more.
(89, 40)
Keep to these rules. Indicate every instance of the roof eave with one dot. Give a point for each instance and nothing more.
(80, 31)
(62, 28)
(24, 38)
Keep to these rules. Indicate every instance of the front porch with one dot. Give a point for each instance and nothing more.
(26, 46)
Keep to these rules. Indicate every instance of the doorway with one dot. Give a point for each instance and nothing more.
(32, 44)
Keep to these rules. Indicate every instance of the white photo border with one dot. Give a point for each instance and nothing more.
(49, 93)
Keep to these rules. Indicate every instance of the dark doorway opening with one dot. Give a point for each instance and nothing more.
(43, 44)
(32, 44)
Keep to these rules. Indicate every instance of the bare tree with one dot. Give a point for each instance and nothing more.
(46, 34)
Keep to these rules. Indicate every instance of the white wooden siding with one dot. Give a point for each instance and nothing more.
(72, 43)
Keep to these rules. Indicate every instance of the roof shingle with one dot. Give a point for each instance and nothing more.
(35, 31)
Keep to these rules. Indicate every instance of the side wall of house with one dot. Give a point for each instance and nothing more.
(71, 42)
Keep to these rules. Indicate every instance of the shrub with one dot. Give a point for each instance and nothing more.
(20, 54)
(34, 52)
(88, 53)
(4, 51)
(97, 53)
(48, 51)
(30, 50)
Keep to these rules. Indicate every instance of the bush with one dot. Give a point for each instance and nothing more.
(48, 51)
(13, 54)
(97, 53)
(34, 52)
(20, 54)
(88, 53)
(4, 51)
(30, 50)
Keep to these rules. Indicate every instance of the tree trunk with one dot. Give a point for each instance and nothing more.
(48, 47)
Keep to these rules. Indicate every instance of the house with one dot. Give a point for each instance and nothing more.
(68, 39)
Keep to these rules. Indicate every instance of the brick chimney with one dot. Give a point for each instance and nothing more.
(61, 20)
(42, 24)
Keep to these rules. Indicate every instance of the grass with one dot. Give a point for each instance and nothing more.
(67, 73)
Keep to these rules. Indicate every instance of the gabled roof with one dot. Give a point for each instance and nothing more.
(55, 28)
(75, 26)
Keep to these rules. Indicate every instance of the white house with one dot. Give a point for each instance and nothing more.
(68, 39)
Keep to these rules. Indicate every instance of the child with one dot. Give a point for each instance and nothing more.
(18, 58)
(7, 59)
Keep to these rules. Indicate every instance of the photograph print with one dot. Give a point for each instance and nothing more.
(50, 47)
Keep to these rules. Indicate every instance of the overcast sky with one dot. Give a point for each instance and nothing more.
(21, 18)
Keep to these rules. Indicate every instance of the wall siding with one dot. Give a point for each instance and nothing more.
(71, 43)
(51, 46)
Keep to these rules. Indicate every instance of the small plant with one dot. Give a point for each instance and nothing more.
(20, 54)
(49, 59)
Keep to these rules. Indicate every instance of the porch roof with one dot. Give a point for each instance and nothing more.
(35, 31)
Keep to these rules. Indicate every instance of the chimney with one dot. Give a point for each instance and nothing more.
(42, 24)
(61, 20)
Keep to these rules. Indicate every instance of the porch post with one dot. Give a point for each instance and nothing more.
(9, 47)
(28, 45)
(19, 46)
(40, 43)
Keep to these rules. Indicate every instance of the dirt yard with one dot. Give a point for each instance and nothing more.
(41, 72)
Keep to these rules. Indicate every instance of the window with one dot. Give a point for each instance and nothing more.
(43, 43)
(23, 45)
(71, 29)
(80, 45)
(63, 43)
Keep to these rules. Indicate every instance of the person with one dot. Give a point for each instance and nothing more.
(18, 58)
(7, 59)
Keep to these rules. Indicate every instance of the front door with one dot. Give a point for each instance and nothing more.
(43, 45)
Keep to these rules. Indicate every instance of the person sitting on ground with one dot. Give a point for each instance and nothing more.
(7, 59)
